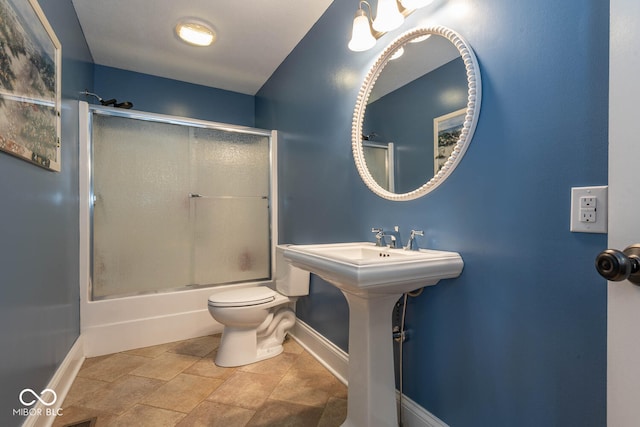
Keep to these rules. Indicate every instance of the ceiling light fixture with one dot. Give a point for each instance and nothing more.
(389, 16)
(195, 32)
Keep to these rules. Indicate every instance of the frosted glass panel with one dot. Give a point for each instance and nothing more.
(231, 240)
(231, 226)
(230, 164)
(141, 230)
(177, 206)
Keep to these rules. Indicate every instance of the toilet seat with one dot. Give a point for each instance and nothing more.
(244, 297)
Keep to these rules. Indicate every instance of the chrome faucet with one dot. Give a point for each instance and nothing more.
(412, 245)
(379, 236)
(394, 236)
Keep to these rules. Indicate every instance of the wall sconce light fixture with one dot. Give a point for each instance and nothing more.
(361, 37)
(389, 16)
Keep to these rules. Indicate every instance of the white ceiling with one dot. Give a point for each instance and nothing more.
(254, 37)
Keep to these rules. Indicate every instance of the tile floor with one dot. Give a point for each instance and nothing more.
(178, 384)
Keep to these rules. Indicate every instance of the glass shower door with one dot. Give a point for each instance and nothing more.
(230, 204)
(177, 206)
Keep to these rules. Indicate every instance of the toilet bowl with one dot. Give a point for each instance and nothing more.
(256, 319)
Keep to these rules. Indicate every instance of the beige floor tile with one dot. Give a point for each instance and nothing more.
(278, 365)
(179, 384)
(113, 367)
(285, 414)
(313, 388)
(166, 366)
(183, 393)
(81, 388)
(245, 389)
(199, 347)
(205, 367)
(307, 362)
(334, 413)
(153, 351)
(291, 346)
(148, 416)
(75, 414)
(120, 395)
(93, 360)
(212, 414)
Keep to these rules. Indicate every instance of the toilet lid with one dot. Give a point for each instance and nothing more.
(242, 297)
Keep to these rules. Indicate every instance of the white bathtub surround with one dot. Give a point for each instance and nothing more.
(114, 325)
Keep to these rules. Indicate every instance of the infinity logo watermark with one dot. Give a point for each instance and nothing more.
(40, 398)
(29, 397)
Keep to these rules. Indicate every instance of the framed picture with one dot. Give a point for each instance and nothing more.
(446, 133)
(30, 85)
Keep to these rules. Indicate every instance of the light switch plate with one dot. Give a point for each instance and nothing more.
(589, 209)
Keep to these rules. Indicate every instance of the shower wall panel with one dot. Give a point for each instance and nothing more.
(177, 206)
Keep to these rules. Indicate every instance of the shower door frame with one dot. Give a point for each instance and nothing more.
(121, 323)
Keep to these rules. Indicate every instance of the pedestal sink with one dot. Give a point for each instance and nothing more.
(373, 279)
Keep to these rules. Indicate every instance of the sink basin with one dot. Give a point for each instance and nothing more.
(372, 279)
(363, 268)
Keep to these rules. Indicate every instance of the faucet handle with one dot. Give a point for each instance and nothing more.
(411, 244)
(379, 236)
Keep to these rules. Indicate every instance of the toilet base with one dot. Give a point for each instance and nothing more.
(239, 348)
(243, 346)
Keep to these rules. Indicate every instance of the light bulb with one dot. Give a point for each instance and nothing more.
(388, 17)
(361, 37)
(415, 4)
(195, 33)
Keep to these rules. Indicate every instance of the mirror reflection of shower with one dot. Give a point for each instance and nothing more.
(109, 102)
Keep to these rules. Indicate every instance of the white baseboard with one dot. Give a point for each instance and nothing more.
(414, 415)
(337, 362)
(327, 353)
(60, 383)
(137, 333)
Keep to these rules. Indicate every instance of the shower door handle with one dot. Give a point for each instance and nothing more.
(195, 195)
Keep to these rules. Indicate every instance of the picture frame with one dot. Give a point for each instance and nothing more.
(446, 134)
(30, 85)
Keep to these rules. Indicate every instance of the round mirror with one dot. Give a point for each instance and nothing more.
(421, 113)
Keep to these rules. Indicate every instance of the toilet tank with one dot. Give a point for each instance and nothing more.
(290, 281)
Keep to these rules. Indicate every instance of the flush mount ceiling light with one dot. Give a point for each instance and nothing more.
(389, 16)
(195, 32)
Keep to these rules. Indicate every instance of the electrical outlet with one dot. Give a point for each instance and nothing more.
(589, 209)
(588, 202)
(588, 215)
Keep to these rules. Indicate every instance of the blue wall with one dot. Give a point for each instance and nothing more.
(39, 310)
(176, 98)
(520, 338)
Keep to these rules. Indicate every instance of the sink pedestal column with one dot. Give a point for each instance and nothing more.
(372, 391)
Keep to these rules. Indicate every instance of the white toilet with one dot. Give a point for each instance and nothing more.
(256, 319)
